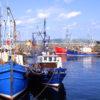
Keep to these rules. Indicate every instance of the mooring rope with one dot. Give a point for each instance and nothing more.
(45, 86)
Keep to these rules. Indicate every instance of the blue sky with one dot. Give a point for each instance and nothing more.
(80, 17)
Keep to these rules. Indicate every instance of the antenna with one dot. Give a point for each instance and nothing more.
(44, 37)
(44, 33)
(45, 26)
(68, 38)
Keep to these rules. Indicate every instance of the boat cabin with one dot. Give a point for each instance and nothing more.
(4, 57)
(49, 61)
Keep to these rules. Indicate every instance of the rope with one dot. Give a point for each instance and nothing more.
(45, 86)
(47, 82)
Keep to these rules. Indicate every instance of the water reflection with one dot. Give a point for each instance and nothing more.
(23, 96)
(72, 58)
(83, 78)
(87, 62)
(40, 92)
(63, 57)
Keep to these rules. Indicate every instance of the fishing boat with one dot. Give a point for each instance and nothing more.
(51, 67)
(48, 67)
(86, 51)
(13, 81)
(59, 50)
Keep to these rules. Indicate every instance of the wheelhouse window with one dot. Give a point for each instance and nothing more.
(45, 58)
(54, 58)
(50, 58)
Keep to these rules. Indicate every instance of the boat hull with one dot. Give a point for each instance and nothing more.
(12, 80)
(76, 53)
(48, 76)
(54, 77)
(60, 50)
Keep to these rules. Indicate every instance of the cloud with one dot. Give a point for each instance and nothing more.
(48, 12)
(43, 15)
(26, 21)
(69, 15)
(29, 11)
(73, 14)
(18, 22)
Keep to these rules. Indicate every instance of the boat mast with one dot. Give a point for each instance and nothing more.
(68, 38)
(14, 25)
(10, 31)
(9, 42)
(44, 35)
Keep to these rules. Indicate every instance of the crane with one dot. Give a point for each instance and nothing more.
(11, 20)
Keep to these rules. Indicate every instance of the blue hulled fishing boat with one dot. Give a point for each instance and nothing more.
(13, 81)
(80, 53)
(52, 70)
(47, 66)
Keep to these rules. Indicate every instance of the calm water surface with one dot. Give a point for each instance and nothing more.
(82, 82)
(83, 78)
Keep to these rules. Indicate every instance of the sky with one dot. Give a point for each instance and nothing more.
(78, 18)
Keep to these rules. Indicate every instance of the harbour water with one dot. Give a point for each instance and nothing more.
(83, 78)
(82, 82)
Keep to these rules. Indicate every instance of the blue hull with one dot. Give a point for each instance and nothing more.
(48, 76)
(54, 76)
(76, 53)
(12, 80)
